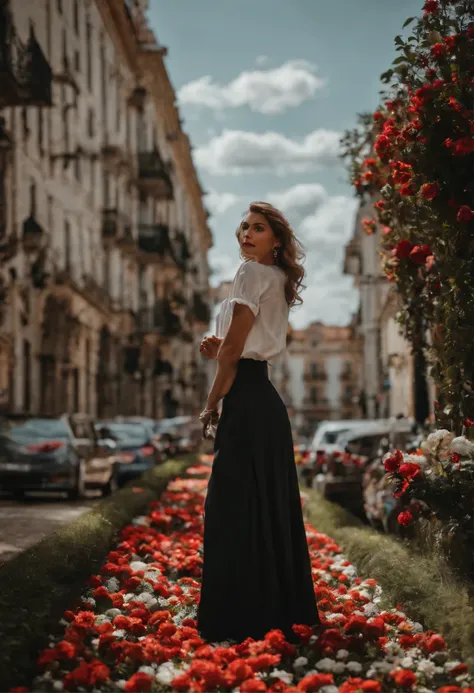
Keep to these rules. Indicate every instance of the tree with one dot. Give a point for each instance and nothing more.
(416, 153)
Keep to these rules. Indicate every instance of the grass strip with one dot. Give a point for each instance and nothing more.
(423, 585)
(38, 585)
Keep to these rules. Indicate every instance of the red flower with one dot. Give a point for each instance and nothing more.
(385, 230)
(405, 518)
(393, 462)
(468, 423)
(438, 50)
(449, 689)
(371, 686)
(380, 204)
(409, 470)
(407, 190)
(431, 7)
(435, 643)
(382, 145)
(403, 249)
(450, 41)
(455, 105)
(459, 669)
(378, 116)
(369, 225)
(464, 214)
(404, 678)
(313, 682)
(251, 685)
(429, 190)
(420, 253)
(463, 146)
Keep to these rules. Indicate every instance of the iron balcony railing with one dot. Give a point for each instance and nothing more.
(25, 73)
(154, 175)
(153, 238)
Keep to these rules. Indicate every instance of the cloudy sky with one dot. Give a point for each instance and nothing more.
(265, 88)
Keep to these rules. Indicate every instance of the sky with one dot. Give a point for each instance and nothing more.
(265, 89)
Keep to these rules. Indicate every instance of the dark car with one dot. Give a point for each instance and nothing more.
(136, 450)
(60, 454)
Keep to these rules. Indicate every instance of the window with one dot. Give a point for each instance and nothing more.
(67, 245)
(106, 191)
(32, 198)
(59, 5)
(90, 123)
(49, 204)
(76, 16)
(77, 168)
(314, 395)
(77, 61)
(89, 53)
(40, 131)
(314, 370)
(117, 103)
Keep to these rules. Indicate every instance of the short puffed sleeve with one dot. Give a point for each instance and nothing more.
(249, 284)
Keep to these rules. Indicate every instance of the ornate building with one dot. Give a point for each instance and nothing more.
(103, 232)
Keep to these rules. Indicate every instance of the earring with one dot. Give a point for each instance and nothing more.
(275, 251)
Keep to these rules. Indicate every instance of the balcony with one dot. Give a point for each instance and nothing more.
(347, 374)
(25, 74)
(180, 250)
(116, 227)
(159, 319)
(154, 176)
(200, 309)
(153, 241)
(315, 375)
(33, 235)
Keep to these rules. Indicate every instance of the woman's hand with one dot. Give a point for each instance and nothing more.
(210, 347)
(209, 417)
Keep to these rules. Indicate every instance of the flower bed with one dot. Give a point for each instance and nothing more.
(436, 484)
(135, 626)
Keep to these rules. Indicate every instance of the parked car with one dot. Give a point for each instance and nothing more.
(55, 454)
(136, 451)
(180, 434)
(340, 477)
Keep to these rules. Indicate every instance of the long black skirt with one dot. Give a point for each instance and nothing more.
(256, 570)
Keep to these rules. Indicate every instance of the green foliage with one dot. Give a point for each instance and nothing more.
(416, 155)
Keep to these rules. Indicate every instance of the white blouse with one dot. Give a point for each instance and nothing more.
(262, 289)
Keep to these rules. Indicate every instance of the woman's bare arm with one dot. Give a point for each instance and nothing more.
(229, 353)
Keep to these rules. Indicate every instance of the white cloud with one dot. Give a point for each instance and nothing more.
(237, 151)
(324, 224)
(263, 91)
(220, 203)
(261, 60)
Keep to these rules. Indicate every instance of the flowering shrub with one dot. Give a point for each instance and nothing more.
(437, 484)
(134, 629)
(414, 158)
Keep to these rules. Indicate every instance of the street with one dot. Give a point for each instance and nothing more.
(24, 523)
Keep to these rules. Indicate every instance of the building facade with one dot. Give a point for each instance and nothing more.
(319, 376)
(103, 232)
(391, 382)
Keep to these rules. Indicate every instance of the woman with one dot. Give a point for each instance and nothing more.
(256, 570)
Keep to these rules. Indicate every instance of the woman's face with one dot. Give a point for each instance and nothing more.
(257, 239)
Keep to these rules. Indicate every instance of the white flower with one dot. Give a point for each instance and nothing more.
(325, 664)
(370, 609)
(128, 597)
(339, 667)
(342, 654)
(138, 565)
(146, 587)
(300, 662)
(438, 441)
(58, 686)
(329, 689)
(147, 670)
(145, 597)
(450, 665)
(140, 520)
(119, 633)
(383, 667)
(112, 585)
(354, 667)
(112, 613)
(100, 619)
(285, 676)
(463, 446)
(406, 662)
(393, 649)
(427, 668)
(121, 684)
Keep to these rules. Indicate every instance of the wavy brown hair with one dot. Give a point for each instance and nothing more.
(290, 254)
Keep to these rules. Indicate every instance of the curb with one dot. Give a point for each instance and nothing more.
(424, 585)
(38, 585)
